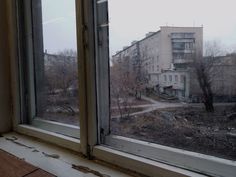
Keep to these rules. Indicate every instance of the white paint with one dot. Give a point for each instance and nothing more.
(57, 127)
(185, 159)
(55, 138)
(140, 165)
(60, 167)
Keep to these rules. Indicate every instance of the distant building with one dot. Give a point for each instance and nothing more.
(175, 83)
(50, 59)
(163, 57)
(224, 78)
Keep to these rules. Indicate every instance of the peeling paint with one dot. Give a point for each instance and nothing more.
(88, 170)
(55, 156)
(13, 139)
(62, 166)
(35, 150)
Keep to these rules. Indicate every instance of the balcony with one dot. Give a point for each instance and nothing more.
(183, 51)
(182, 35)
(182, 60)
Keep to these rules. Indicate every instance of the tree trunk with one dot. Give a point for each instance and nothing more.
(206, 89)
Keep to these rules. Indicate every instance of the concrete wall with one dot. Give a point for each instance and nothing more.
(166, 57)
(180, 83)
(224, 78)
(5, 91)
(149, 53)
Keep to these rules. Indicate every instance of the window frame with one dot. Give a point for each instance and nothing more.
(188, 160)
(31, 50)
(206, 164)
(94, 104)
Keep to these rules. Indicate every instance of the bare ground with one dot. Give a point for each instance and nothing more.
(191, 129)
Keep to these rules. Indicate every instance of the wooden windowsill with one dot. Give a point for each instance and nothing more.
(53, 159)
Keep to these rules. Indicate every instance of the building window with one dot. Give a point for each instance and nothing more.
(178, 55)
(165, 78)
(170, 78)
(176, 78)
(182, 35)
(178, 45)
(189, 45)
(182, 78)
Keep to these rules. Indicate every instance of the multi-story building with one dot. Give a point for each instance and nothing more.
(224, 78)
(183, 83)
(167, 50)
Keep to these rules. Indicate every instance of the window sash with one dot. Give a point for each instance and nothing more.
(57, 127)
(92, 18)
(177, 157)
(31, 49)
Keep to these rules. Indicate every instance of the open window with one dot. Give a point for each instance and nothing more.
(186, 124)
(111, 94)
(49, 65)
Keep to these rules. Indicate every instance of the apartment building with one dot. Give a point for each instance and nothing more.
(168, 49)
(224, 78)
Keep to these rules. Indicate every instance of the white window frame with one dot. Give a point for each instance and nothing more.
(144, 157)
(30, 52)
(193, 161)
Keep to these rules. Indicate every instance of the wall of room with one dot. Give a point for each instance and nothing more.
(5, 89)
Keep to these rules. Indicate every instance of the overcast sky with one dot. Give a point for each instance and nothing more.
(131, 19)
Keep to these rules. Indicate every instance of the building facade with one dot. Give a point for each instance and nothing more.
(164, 54)
(224, 78)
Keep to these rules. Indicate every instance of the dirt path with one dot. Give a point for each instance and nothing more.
(161, 105)
(150, 99)
(152, 107)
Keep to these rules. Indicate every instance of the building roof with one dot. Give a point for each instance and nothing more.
(146, 37)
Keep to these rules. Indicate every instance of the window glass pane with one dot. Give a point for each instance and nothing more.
(176, 78)
(189, 102)
(57, 69)
(170, 78)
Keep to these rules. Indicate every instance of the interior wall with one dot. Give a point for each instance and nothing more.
(5, 90)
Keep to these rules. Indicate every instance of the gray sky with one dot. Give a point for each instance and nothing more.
(132, 19)
(59, 27)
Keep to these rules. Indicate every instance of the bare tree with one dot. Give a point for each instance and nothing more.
(140, 79)
(61, 71)
(205, 72)
(122, 84)
(61, 77)
(202, 68)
